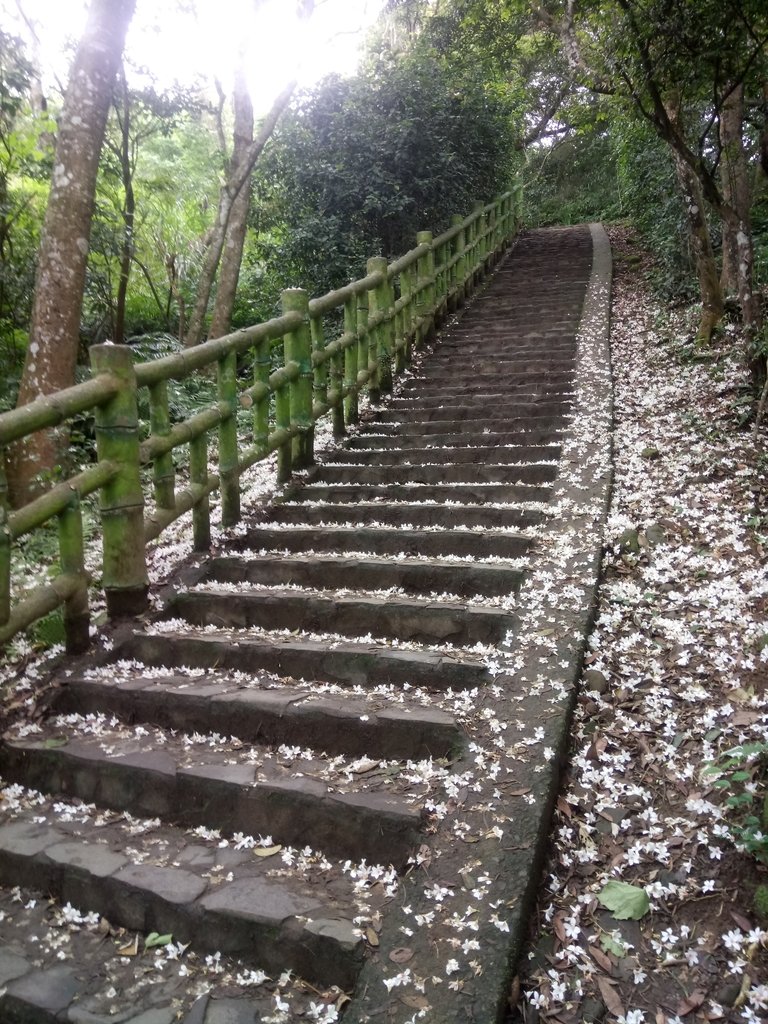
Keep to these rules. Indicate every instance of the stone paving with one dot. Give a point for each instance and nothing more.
(335, 750)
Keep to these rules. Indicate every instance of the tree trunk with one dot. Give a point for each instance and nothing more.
(60, 281)
(232, 253)
(238, 176)
(128, 212)
(698, 233)
(734, 184)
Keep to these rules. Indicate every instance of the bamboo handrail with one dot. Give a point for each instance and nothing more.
(387, 313)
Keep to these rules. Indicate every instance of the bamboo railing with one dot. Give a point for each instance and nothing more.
(386, 314)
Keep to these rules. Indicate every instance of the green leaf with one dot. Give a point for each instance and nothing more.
(57, 741)
(155, 939)
(625, 902)
(610, 945)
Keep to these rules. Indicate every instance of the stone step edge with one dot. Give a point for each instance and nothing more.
(144, 898)
(371, 825)
(425, 621)
(472, 578)
(334, 725)
(312, 661)
(55, 993)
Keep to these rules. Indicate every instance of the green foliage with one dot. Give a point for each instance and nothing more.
(650, 199)
(741, 775)
(362, 164)
(24, 168)
(573, 181)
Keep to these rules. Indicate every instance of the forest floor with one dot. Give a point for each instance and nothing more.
(676, 676)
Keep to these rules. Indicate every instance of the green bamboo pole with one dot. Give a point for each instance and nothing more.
(320, 381)
(5, 547)
(198, 475)
(351, 409)
(400, 336)
(363, 340)
(480, 242)
(459, 270)
(425, 302)
(298, 349)
(407, 279)
(261, 368)
(121, 500)
(380, 302)
(163, 470)
(226, 378)
(77, 617)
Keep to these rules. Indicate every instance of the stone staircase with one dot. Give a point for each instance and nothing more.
(263, 769)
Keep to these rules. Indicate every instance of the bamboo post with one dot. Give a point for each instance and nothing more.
(425, 301)
(351, 410)
(198, 474)
(283, 424)
(5, 547)
(480, 242)
(77, 617)
(298, 349)
(372, 346)
(320, 374)
(460, 271)
(363, 341)
(400, 337)
(261, 367)
(163, 470)
(380, 300)
(229, 473)
(409, 313)
(121, 500)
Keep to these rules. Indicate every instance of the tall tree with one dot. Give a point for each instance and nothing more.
(232, 252)
(237, 177)
(58, 298)
(678, 65)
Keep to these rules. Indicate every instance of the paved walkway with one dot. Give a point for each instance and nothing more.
(381, 674)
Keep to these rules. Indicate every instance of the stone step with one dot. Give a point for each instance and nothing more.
(376, 541)
(189, 787)
(437, 398)
(498, 454)
(258, 711)
(273, 924)
(474, 343)
(350, 664)
(438, 371)
(464, 494)
(415, 577)
(434, 513)
(457, 412)
(91, 983)
(417, 621)
(474, 431)
(484, 472)
(368, 437)
(526, 375)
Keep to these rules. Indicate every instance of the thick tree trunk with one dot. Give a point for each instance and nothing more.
(128, 212)
(703, 253)
(232, 253)
(237, 179)
(698, 233)
(734, 184)
(58, 299)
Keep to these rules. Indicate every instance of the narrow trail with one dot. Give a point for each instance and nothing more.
(375, 674)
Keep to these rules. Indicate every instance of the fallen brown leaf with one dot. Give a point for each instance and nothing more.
(610, 998)
(401, 955)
